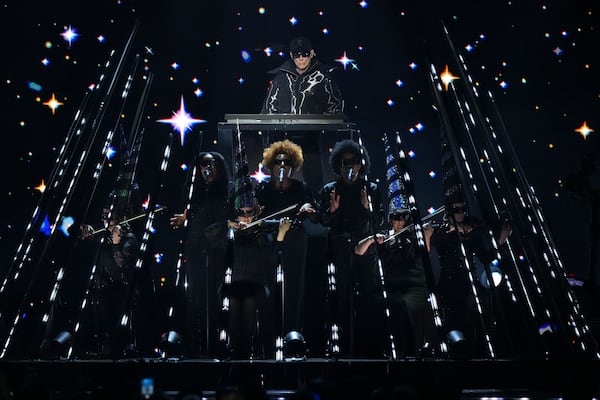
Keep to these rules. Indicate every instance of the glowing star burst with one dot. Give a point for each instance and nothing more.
(181, 121)
(344, 60)
(53, 103)
(259, 175)
(447, 78)
(584, 130)
(41, 187)
(69, 35)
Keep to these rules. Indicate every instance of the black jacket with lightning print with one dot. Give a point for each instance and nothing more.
(313, 92)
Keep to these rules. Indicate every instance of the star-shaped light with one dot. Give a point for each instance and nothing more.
(344, 60)
(557, 50)
(259, 175)
(69, 35)
(447, 77)
(293, 21)
(41, 187)
(584, 130)
(181, 121)
(110, 152)
(53, 103)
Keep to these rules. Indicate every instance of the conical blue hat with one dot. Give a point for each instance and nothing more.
(396, 191)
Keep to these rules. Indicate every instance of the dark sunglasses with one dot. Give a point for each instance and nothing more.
(208, 163)
(350, 161)
(246, 213)
(286, 161)
(298, 54)
(458, 209)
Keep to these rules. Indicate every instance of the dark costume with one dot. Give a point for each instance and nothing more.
(108, 293)
(454, 286)
(292, 250)
(248, 253)
(407, 293)
(204, 252)
(356, 275)
(313, 92)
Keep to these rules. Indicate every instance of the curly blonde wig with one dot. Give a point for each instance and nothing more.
(283, 147)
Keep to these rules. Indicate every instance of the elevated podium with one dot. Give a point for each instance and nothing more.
(315, 133)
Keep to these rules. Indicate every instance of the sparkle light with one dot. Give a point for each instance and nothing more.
(293, 21)
(53, 103)
(110, 152)
(584, 130)
(447, 77)
(181, 121)
(259, 174)
(41, 187)
(344, 60)
(557, 50)
(69, 35)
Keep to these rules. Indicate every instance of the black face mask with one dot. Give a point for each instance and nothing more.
(350, 162)
(284, 162)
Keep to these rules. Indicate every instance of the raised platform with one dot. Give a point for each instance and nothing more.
(447, 379)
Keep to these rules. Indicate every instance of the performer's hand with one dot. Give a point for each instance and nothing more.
(86, 231)
(505, 232)
(116, 234)
(234, 224)
(306, 208)
(334, 201)
(284, 227)
(177, 220)
(427, 231)
(380, 238)
(364, 198)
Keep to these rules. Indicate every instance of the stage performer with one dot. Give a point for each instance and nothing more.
(204, 251)
(344, 209)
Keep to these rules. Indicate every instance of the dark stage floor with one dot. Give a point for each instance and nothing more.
(343, 378)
